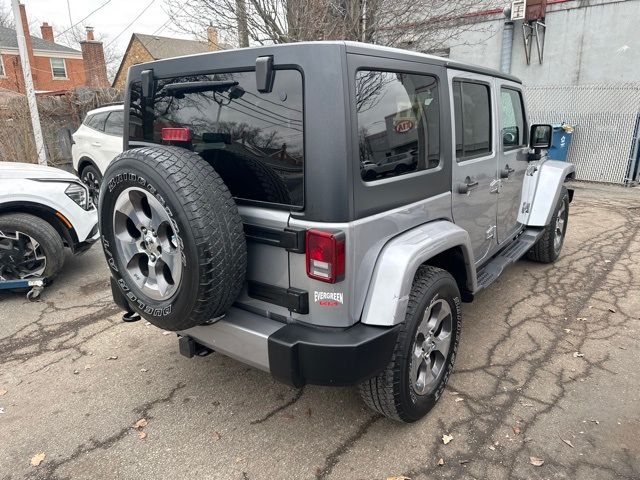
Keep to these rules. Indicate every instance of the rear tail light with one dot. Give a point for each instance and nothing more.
(176, 135)
(325, 256)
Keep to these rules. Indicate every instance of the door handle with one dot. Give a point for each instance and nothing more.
(467, 186)
(506, 172)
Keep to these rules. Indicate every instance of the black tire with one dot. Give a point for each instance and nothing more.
(547, 249)
(40, 231)
(92, 178)
(391, 392)
(207, 228)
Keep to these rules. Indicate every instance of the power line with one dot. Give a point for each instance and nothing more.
(132, 22)
(80, 21)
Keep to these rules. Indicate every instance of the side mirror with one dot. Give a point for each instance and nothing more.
(540, 136)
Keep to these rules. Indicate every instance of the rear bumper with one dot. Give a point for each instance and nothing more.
(296, 354)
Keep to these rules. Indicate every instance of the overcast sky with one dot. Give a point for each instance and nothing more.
(110, 21)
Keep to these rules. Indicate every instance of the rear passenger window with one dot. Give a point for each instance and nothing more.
(398, 123)
(512, 121)
(472, 111)
(114, 123)
(96, 121)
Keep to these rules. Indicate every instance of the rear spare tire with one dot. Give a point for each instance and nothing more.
(172, 236)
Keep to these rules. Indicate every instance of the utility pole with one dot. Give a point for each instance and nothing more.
(28, 84)
(243, 28)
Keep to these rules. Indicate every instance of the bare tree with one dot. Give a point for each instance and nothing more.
(424, 25)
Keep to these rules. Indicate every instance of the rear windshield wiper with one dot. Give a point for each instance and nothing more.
(196, 87)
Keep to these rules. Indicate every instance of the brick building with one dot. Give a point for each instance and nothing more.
(146, 48)
(54, 67)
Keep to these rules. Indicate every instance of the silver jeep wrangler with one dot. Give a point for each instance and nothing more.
(250, 212)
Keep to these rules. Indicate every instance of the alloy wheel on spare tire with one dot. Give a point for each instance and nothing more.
(172, 235)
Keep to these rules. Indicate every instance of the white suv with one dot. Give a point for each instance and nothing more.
(42, 210)
(96, 143)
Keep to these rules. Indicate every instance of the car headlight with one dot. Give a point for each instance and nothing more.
(79, 195)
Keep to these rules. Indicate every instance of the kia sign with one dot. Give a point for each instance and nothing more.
(404, 126)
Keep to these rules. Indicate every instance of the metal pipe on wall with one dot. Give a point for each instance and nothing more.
(507, 47)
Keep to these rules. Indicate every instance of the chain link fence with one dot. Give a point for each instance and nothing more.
(604, 142)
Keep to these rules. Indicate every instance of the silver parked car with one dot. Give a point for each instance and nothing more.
(243, 213)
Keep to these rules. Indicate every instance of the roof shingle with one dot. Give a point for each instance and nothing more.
(8, 39)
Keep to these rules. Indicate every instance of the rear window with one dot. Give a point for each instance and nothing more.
(254, 140)
(96, 121)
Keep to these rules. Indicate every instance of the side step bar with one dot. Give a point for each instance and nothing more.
(514, 251)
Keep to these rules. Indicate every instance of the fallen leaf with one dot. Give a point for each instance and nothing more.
(516, 429)
(441, 462)
(143, 370)
(147, 323)
(536, 462)
(612, 310)
(142, 435)
(567, 442)
(446, 438)
(454, 393)
(3, 392)
(308, 412)
(140, 423)
(76, 372)
(459, 399)
(491, 447)
(567, 330)
(113, 357)
(401, 477)
(166, 333)
(622, 348)
(37, 459)
(577, 354)
(596, 422)
(1, 410)
(216, 436)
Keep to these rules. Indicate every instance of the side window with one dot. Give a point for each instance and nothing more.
(96, 121)
(114, 123)
(398, 123)
(512, 121)
(472, 111)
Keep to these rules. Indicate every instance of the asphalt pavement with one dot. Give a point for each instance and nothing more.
(548, 371)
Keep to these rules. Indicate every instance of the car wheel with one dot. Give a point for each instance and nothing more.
(424, 353)
(172, 236)
(91, 177)
(29, 247)
(548, 247)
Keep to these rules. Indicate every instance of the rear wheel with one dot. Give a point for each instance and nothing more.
(91, 177)
(425, 351)
(29, 247)
(547, 249)
(172, 235)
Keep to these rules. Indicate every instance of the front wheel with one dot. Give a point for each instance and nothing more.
(29, 248)
(548, 247)
(424, 353)
(92, 178)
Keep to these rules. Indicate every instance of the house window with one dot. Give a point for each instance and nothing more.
(2, 72)
(58, 68)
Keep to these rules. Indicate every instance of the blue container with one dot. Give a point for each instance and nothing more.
(560, 142)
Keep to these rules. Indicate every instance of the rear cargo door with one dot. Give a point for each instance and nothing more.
(254, 140)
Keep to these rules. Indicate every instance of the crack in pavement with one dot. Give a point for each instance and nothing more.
(48, 469)
(280, 408)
